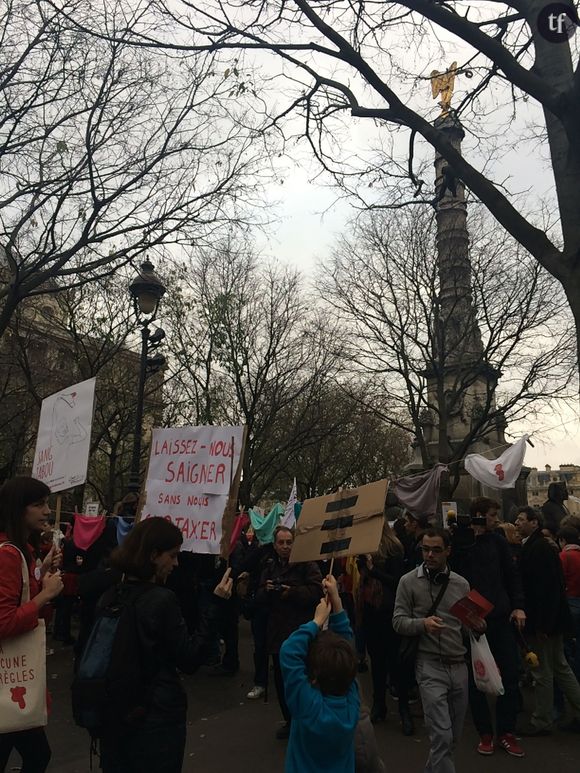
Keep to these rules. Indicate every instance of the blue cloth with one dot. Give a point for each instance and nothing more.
(323, 726)
(264, 525)
(123, 528)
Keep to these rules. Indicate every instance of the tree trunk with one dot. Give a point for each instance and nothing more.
(574, 301)
(554, 65)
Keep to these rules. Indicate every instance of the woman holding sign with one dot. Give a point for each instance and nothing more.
(26, 586)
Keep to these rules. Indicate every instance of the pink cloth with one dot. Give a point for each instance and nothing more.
(87, 529)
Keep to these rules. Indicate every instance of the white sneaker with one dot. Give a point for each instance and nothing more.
(256, 692)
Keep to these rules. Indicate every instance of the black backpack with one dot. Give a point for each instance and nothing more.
(110, 689)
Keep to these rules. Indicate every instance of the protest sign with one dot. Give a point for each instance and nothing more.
(64, 437)
(192, 480)
(343, 524)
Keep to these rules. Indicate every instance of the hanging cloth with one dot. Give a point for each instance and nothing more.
(418, 493)
(264, 525)
(501, 472)
(87, 529)
(240, 522)
(124, 526)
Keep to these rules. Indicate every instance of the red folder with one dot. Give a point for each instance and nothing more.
(472, 608)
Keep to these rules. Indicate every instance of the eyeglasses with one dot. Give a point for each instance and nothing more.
(435, 551)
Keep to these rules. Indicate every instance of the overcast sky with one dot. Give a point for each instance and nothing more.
(310, 218)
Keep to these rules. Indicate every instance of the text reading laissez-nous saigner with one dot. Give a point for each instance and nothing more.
(179, 471)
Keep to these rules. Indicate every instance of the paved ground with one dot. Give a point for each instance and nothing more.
(229, 733)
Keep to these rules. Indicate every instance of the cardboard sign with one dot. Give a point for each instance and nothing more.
(92, 508)
(64, 437)
(192, 480)
(347, 523)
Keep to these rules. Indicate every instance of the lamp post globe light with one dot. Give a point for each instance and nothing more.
(146, 290)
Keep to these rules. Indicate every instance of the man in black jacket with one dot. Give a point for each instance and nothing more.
(290, 592)
(415, 526)
(548, 620)
(249, 570)
(489, 568)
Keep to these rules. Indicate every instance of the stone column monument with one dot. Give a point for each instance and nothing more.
(461, 384)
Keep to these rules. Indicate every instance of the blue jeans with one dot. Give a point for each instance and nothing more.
(147, 750)
(572, 649)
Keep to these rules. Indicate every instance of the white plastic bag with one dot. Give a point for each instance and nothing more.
(485, 671)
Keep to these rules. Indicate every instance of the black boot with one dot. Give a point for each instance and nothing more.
(378, 713)
(407, 723)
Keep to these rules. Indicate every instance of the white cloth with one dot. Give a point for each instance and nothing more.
(289, 519)
(501, 472)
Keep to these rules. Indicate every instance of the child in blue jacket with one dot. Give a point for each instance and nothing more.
(319, 669)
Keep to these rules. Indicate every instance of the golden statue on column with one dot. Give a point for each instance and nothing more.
(442, 83)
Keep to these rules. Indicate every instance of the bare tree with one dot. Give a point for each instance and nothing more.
(55, 341)
(107, 151)
(438, 362)
(246, 349)
(372, 60)
(358, 447)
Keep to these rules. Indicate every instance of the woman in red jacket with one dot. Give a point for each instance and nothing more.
(23, 513)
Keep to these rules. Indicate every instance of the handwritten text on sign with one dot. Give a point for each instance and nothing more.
(190, 473)
(64, 437)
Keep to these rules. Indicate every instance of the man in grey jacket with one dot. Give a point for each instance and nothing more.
(440, 670)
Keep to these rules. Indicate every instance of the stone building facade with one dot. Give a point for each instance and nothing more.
(539, 480)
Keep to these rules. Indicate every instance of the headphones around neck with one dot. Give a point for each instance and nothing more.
(437, 578)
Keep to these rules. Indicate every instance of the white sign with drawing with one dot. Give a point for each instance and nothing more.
(64, 437)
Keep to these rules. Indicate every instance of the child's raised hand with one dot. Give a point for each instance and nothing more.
(322, 612)
(330, 587)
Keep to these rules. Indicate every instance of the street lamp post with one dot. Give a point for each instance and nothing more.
(146, 291)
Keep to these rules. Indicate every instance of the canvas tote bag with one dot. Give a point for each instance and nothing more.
(23, 672)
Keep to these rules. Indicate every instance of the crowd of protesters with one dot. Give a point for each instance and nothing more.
(313, 627)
